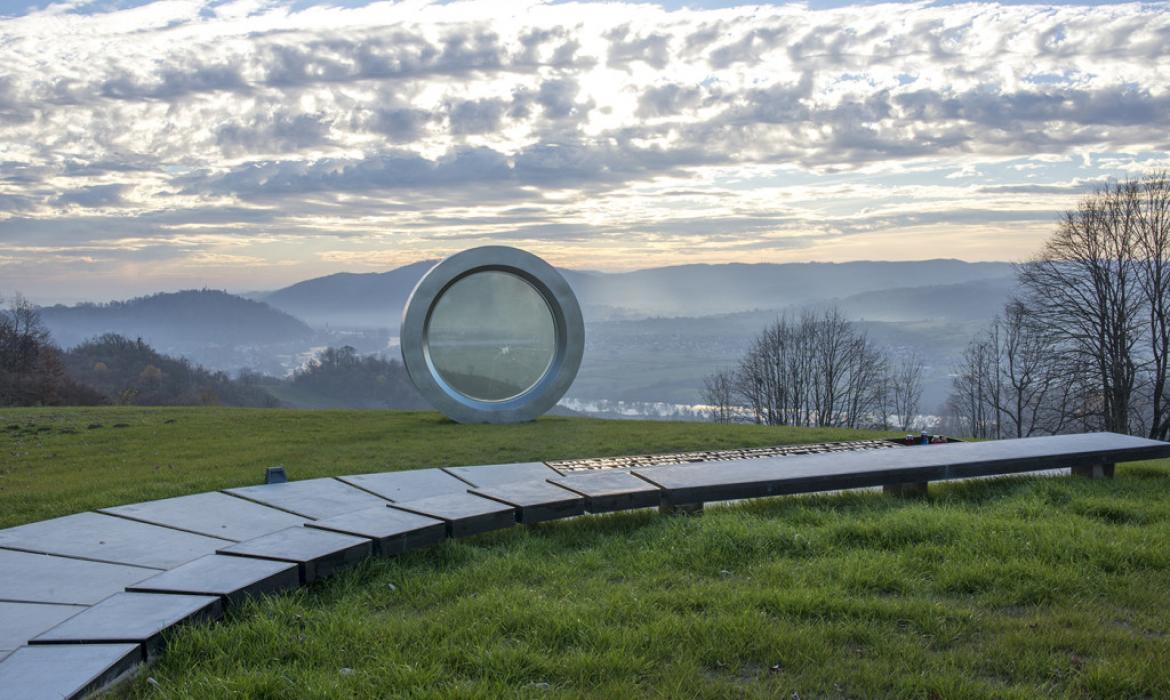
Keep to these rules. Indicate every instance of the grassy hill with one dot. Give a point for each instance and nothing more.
(1007, 588)
(57, 461)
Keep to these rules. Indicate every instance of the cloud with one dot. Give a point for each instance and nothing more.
(668, 100)
(650, 131)
(93, 196)
(272, 133)
(476, 116)
(625, 47)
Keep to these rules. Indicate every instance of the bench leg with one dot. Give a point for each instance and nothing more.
(1094, 471)
(680, 509)
(914, 489)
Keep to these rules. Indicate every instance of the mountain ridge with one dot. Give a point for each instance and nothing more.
(206, 316)
(376, 299)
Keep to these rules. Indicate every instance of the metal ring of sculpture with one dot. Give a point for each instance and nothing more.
(492, 335)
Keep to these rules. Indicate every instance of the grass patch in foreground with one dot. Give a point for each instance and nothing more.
(1011, 588)
(52, 462)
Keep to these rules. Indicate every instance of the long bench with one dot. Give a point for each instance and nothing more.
(85, 598)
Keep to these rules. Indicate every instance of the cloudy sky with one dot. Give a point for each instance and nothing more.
(249, 144)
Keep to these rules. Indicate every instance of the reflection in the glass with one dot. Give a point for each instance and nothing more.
(491, 336)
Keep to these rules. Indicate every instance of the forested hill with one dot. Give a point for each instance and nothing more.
(180, 318)
(375, 300)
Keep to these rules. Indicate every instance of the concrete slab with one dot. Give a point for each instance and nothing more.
(536, 501)
(42, 578)
(318, 553)
(232, 578)
(65, 671)
(607, 491)
(497, 474)
(464, 513)
(20, 622)
(101, 537)
(215, 514)
(311, 498)
(139, 618)
(392, 531)
(410, 485)
(714, 481)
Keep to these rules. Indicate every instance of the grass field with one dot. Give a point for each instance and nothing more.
(60, 461)
(1011, 588)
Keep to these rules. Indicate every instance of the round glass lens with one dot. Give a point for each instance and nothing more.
(491, 336)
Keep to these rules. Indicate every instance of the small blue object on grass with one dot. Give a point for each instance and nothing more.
(275, 475)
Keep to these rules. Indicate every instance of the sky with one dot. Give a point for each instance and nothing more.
(248, 144)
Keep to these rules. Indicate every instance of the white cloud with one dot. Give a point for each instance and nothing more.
(419, 125)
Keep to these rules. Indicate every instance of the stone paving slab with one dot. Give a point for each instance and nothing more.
(311, 498)
(570, 467)
(536, 501)
(139, 618)
(464, 513)
(20, 622)
(392, 531)
(232, 578)
(318, 553)
(42, 578)
(608, 491)
(65, 671)
(410, 485)
(714, 481)
(101, 537)
(215, 514)
(497, 474)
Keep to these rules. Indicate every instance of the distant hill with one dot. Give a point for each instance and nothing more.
(377, 299)
(178, 320)
(978, 300)
(347, 299)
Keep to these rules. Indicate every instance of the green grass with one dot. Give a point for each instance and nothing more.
(1009, 588)
(53, 463)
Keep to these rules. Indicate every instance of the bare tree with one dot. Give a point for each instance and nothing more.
(1087, 347)
(1102, 287)
(1153, 273)
(1013, 380)
(814, 369)
(718, 393)
(906, 388)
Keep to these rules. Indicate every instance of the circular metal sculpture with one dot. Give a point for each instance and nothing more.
(492, 335)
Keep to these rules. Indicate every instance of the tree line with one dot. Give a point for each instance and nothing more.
(108, 369)
(1086, 344)
(113, 369)
(817, 369)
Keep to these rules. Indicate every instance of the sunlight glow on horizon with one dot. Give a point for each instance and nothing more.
(248, 145)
